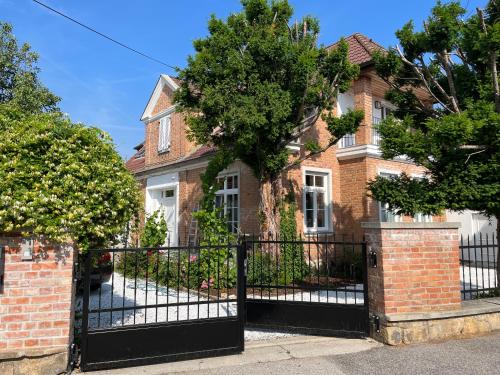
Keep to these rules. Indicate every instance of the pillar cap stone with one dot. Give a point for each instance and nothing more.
(435, 225)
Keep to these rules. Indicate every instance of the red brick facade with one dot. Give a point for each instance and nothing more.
(349, 168)
(35, 305)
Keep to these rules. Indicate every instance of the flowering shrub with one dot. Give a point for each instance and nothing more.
(62, 180)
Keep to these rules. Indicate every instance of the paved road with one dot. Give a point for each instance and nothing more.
(459, 357)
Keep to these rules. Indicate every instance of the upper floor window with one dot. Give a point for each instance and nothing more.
(164, 134)
(315, 201)
(345, 102)
(227, 198)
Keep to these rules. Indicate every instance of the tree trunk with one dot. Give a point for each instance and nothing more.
(270, 193)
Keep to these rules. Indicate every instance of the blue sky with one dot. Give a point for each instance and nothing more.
(104, 85)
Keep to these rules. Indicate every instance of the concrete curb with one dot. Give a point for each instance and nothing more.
(259, 352)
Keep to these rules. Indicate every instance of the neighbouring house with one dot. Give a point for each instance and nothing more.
(330, 188)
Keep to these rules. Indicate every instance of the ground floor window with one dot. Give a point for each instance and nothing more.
(386, 214)
(227, 198)
(315, 201)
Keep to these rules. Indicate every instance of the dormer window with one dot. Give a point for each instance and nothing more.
(164, 134)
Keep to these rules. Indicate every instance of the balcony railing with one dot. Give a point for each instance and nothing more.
(347, 140)
(376, 137)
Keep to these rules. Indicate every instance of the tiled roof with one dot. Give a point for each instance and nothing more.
(361, 48)
(136, 163)
(201, 151)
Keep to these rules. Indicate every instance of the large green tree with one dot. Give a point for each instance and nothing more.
(62, 180)
(253, 84)
(19, 83)
(444, 81)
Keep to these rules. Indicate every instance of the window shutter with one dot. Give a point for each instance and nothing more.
(161, 135)
(168, 127)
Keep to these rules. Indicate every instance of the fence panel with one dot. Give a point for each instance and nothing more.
(478, 273)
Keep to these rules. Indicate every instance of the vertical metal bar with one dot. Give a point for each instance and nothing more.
(218, 278)
(276, 248)
(354, 269)
(261, 284)
(327, 248)
(463, 264)
(208, 281)
(481, 256)
(345, 268)
(475, 266)
(124, 285)
(99, 266)
(168, 283)
(147, 281)
(85, 312)
(365, 285)
(188, 278)
(178, 280)
(240, 291)
(135, 285)
(198, 259)
(112, 289)
(488, 261)
(309, 261)
(156, 284)
(470, 268)
(294, 251)
(229, 251)
(318, 287)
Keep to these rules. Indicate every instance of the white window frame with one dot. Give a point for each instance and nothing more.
(164, 131)
(383, 207)
(327, 190)
(225, 192)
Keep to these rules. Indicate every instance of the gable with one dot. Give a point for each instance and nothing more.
(164, 87)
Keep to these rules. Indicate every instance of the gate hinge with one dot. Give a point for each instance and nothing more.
(74, 354)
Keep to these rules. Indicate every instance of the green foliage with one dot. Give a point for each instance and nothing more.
(19, 83)
(458, 138)
(62, 180)
(198, 268)
(254, 80)
(262, 269)
(292, 267)
(155, 230)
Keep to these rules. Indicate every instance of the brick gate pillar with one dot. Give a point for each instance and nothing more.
(418, 270)
(35, 306)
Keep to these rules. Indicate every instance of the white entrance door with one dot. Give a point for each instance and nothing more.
(165, 200)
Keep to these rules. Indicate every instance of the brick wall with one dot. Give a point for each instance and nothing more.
(179, 144)
(418, 267)
(35, 307)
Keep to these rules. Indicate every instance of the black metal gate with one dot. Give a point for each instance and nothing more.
(144, 306)
(316, 285)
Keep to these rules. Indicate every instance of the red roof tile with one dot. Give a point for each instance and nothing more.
(136, 163)
(361, 48)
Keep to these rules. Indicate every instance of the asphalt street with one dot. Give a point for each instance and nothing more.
(458, 357)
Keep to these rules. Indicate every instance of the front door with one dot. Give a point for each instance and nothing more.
(165, 200)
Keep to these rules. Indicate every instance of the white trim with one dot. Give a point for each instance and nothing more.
(160, 84)
(328, 199)
(161, 114)
(354, 152)
(388, 171)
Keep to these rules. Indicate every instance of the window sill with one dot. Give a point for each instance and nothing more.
(160, 152)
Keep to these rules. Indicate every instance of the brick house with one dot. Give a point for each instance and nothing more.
(330, 188)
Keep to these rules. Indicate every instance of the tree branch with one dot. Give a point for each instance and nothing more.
(493, 64)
